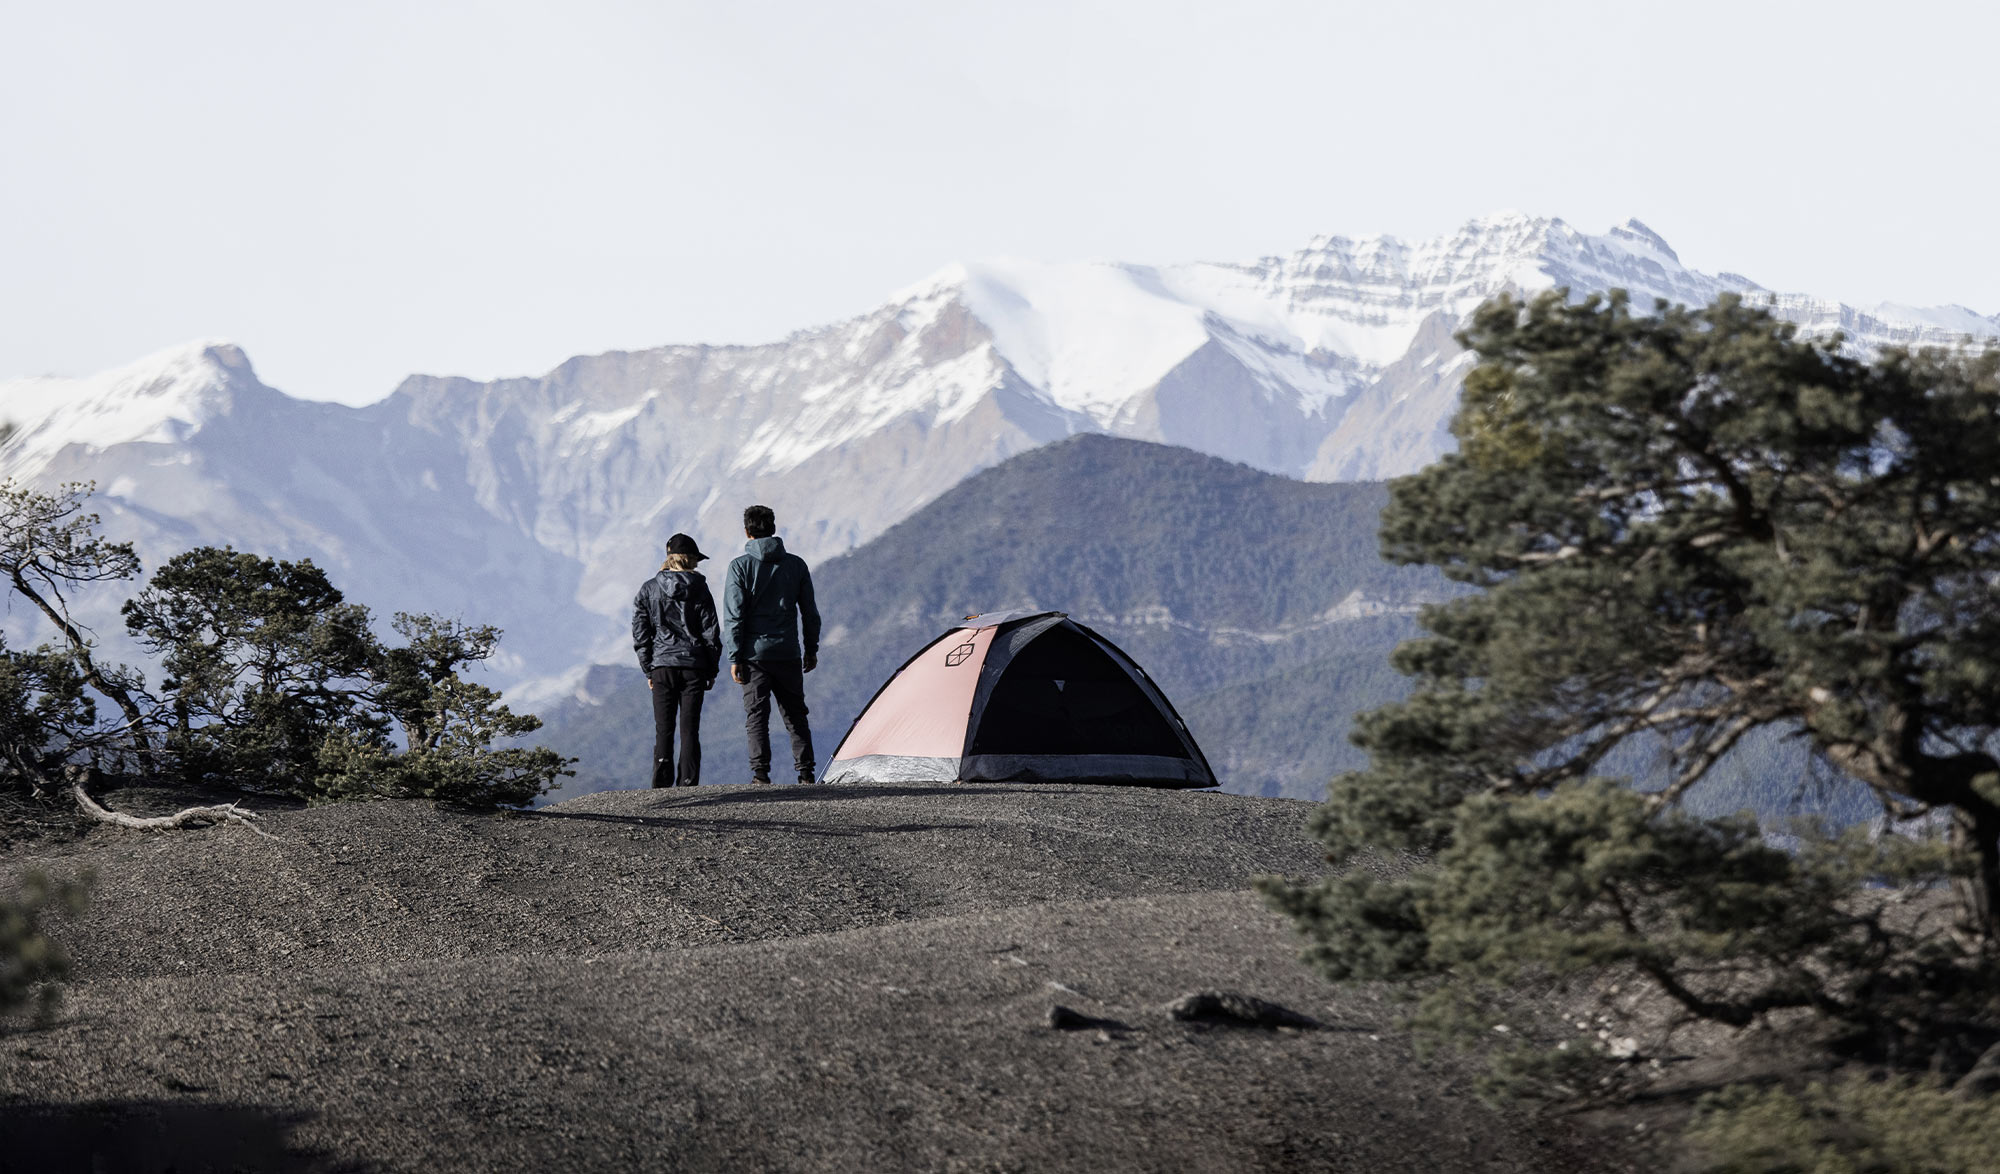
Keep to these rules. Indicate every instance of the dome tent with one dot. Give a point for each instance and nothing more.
(1020, 696)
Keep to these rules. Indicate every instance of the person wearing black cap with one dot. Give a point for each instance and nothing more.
(679, 643)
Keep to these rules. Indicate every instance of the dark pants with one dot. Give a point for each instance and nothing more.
(784, 680)
(677, 694)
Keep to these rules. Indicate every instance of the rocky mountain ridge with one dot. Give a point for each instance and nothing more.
(537, 502)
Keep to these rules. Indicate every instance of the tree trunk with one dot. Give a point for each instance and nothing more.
(1977, 834)
(135, 720)
(1952, 783)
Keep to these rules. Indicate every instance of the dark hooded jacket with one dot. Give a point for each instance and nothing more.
(673, 624)
(767, 598)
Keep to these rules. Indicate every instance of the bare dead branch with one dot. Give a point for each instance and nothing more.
(1697, 766)
(187, 817)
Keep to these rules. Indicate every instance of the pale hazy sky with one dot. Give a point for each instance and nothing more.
(360, 190)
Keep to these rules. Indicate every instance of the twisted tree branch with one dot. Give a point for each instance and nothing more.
(187, 817)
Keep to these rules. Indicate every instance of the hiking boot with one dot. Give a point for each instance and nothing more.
(762, 782)
(806, 780)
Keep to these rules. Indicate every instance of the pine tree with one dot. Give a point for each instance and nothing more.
(276, 682)
(49, 549)
(1686, 527)
(264, 661)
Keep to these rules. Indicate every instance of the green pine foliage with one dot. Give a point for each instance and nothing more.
(1851, 1126)
(49, 550)
(1690, 530)
(46, 709)
(276, 683)
(264, 661)
(32, 964)
(273, 682)
(447, 726)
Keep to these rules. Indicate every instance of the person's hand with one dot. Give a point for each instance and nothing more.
(708, 684)
(736, 673)
(811, 662)
(649, 682)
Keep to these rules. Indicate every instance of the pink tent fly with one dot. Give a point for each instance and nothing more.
(1020, 696)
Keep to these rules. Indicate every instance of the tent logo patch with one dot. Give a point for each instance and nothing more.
(960, 654)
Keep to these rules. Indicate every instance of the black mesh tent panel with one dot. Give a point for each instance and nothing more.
(1014, 636)
(1199, 773)
(1064, 694)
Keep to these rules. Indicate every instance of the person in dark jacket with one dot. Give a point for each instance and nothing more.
(766, 601)
(680, 648)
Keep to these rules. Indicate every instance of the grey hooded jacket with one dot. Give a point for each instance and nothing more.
(766, 599)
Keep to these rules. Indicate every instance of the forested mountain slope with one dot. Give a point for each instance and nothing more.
(1243, 594)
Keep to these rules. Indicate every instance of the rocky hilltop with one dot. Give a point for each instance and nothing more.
(734, 978)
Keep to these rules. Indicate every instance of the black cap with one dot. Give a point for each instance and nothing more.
(682, 544)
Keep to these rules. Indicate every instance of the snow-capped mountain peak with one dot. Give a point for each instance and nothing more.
(1636, 233)
(1089, 336)
(163, 398)
(538, 503)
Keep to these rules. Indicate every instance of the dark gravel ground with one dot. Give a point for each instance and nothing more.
(734, 978)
